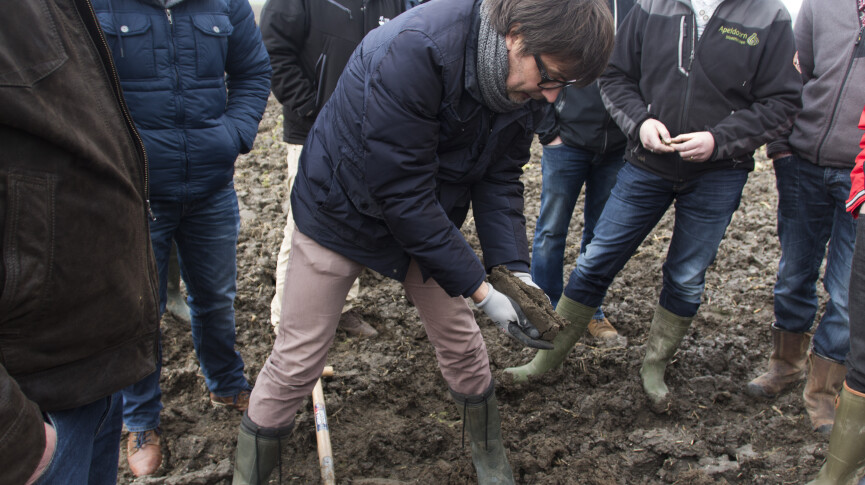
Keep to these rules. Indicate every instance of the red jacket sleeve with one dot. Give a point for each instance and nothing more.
(857, 177)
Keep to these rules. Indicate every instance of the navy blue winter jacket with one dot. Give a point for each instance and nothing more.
(404, 147)
(175, 65)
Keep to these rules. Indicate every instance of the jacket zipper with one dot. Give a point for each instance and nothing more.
(170, 17)
(682, 36)
(125, 110)
(154, 286)
(832, 119)
(686, 71)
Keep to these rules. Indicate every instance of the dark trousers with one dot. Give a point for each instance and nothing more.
(856, 357)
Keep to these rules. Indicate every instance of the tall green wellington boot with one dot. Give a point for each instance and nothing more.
(481, 419)
(847, 441)
(175, 304)
(667, 331)
(259, 451)
(578, 317)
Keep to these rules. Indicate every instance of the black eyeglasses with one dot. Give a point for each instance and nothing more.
(546, 81)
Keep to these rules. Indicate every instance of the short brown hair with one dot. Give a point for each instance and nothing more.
(576, 33)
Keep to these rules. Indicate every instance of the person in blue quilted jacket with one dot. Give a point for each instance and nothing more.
(196, 78)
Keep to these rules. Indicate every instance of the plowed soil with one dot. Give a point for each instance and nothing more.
(392, 420)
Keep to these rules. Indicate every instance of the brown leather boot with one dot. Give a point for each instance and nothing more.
(239, 401)
(825, 378)
(143, 452)
(353, 325)
(602, 328)
(786, 364)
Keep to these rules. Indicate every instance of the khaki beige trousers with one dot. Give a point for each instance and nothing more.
(317, 281)
(282, 259)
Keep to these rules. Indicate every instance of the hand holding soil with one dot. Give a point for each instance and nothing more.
(533, 301)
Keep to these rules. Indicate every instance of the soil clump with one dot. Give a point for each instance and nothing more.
(532, 301)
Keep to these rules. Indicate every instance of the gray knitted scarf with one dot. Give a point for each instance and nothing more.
(492, 67)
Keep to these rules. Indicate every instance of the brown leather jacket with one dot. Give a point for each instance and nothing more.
(78, 298)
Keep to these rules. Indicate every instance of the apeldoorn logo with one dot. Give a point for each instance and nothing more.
(736, 35)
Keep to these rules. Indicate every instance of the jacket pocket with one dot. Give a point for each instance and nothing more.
(233, 135)
(130, 38)
(211, 44)
(26, 54)
(28, 243)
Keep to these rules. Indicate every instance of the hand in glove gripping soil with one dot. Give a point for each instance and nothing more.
(532, 300)
(509, 317)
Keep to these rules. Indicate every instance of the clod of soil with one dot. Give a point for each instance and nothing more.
(533, 301)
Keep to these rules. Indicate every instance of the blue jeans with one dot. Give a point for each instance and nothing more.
(811, 214)
(205, 231)
(704, 207)
(88, 444)
(565, 170)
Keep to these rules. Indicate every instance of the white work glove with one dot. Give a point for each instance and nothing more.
(526, 278)
(509, 317)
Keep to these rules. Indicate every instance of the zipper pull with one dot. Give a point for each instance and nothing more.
(168, 14)
(150, 210)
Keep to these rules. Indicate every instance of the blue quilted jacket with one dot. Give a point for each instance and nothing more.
(196, 77)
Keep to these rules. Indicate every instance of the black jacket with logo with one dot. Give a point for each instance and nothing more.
(310, 42)
(737, 81)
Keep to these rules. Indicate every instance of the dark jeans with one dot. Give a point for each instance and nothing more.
(704, 207)
(205, 231)
(811, 216)
(88, 444)
(565, 170)
(856, 357)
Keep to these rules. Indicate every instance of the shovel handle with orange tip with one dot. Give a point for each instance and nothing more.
(322, 432)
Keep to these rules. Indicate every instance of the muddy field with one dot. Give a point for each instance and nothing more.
(393, 422)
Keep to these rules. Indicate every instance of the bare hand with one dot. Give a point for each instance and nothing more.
(655, 137)
(47, 453)
(556, 141)
(694, 147)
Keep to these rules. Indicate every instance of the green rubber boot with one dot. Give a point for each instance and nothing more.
(259, 451)
(481, 419)
(176, 304)
(667, 331)
(846, 442)
(578, 316)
